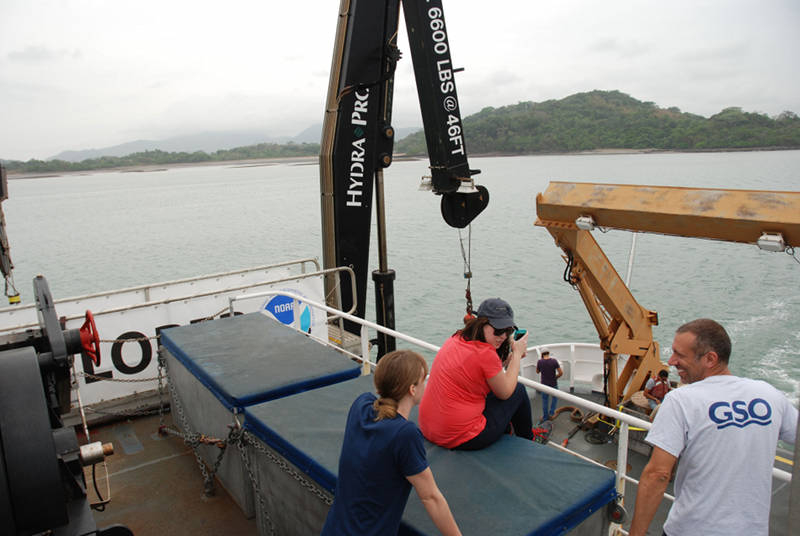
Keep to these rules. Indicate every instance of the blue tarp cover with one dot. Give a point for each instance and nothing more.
(514, 487)
(252, 358)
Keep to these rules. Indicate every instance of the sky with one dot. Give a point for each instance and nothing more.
(82, 74)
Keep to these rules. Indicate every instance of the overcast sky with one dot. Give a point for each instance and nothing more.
(89, 74)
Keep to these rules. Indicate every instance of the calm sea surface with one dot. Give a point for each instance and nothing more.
(102, 231)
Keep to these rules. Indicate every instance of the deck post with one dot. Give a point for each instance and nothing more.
(794, 493)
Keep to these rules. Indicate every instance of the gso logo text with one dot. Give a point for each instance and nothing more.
(740, 413)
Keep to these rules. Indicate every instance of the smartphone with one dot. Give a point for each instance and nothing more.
(518, 334)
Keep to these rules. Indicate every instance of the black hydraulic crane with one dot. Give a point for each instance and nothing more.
(358, 138)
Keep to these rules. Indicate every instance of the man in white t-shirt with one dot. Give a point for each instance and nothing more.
(725, 430)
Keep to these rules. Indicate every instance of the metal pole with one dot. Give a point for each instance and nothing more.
(380, 211)
(622, 459)
(383, 276)
(630, 261)
(326, 154)
(794, 493)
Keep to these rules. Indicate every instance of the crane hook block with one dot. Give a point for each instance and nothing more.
(459, 209)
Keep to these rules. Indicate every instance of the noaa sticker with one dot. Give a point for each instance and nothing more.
(283, 309)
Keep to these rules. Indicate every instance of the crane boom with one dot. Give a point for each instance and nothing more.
(358, 138)
(569, 210)
(730, 215)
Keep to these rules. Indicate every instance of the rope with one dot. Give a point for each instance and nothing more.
(466, 255)
(575, 414)
(11, 289)
(790, 251)
(568, 270)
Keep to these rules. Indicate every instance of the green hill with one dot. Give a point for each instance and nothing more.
(157, 158)
(613, 120)
(580, 122)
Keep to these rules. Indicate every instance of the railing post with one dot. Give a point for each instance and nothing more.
(622, 459)
(572, 363)
(622, 468)
(365, 368)
(339, 319)
(794, 491)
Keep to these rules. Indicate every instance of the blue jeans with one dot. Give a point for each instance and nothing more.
(514, 411)
(549, 404)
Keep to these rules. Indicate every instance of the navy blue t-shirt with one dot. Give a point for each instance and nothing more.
(547, 368)
(376, 458)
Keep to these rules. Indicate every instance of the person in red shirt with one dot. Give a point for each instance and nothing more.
(471, 399)
(656, 390)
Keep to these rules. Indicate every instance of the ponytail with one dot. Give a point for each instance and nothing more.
(386, 408)
(396, 372)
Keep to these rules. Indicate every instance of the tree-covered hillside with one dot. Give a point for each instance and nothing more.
(580, 122)
(157, 158)
(613, 120)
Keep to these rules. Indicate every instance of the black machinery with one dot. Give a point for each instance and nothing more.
(358, 142)
(42, 483)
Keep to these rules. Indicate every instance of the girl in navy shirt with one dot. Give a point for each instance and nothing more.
(383, 456)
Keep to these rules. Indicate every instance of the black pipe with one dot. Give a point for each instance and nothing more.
(384, 309)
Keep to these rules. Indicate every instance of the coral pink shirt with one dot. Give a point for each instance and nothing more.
(451, 411)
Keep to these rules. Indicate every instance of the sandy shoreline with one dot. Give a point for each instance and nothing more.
(292, 160)
(297, 160)
(313, 160)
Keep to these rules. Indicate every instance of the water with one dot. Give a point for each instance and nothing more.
(110, 230)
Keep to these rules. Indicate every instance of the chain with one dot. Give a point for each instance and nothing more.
(135, 412)
(137, 339)
(266, 520)
(121, 380)
(283, 465)
(161, 411)
(466, 256)
(241, 439)
(123, 413)
(237, 437)
(193, 439)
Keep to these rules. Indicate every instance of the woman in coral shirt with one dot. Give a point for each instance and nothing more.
(471, 399)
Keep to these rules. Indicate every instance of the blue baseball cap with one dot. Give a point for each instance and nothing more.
(499, 313)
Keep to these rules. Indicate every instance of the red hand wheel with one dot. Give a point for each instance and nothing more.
(90, 340)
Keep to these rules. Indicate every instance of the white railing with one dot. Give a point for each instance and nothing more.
(336, 313)
(23, 316)
(625, 420)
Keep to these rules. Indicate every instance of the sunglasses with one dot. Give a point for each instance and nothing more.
(500, 332)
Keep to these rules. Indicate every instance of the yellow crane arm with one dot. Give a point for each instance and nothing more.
(624, 326)
(730, 215)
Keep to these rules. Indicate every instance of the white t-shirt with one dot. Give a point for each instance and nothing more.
(725, 430)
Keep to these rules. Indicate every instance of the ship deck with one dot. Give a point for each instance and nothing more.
(157, 486)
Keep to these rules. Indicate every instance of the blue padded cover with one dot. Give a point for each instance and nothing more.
(513, 487)
(309, 430)
(252, 358)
